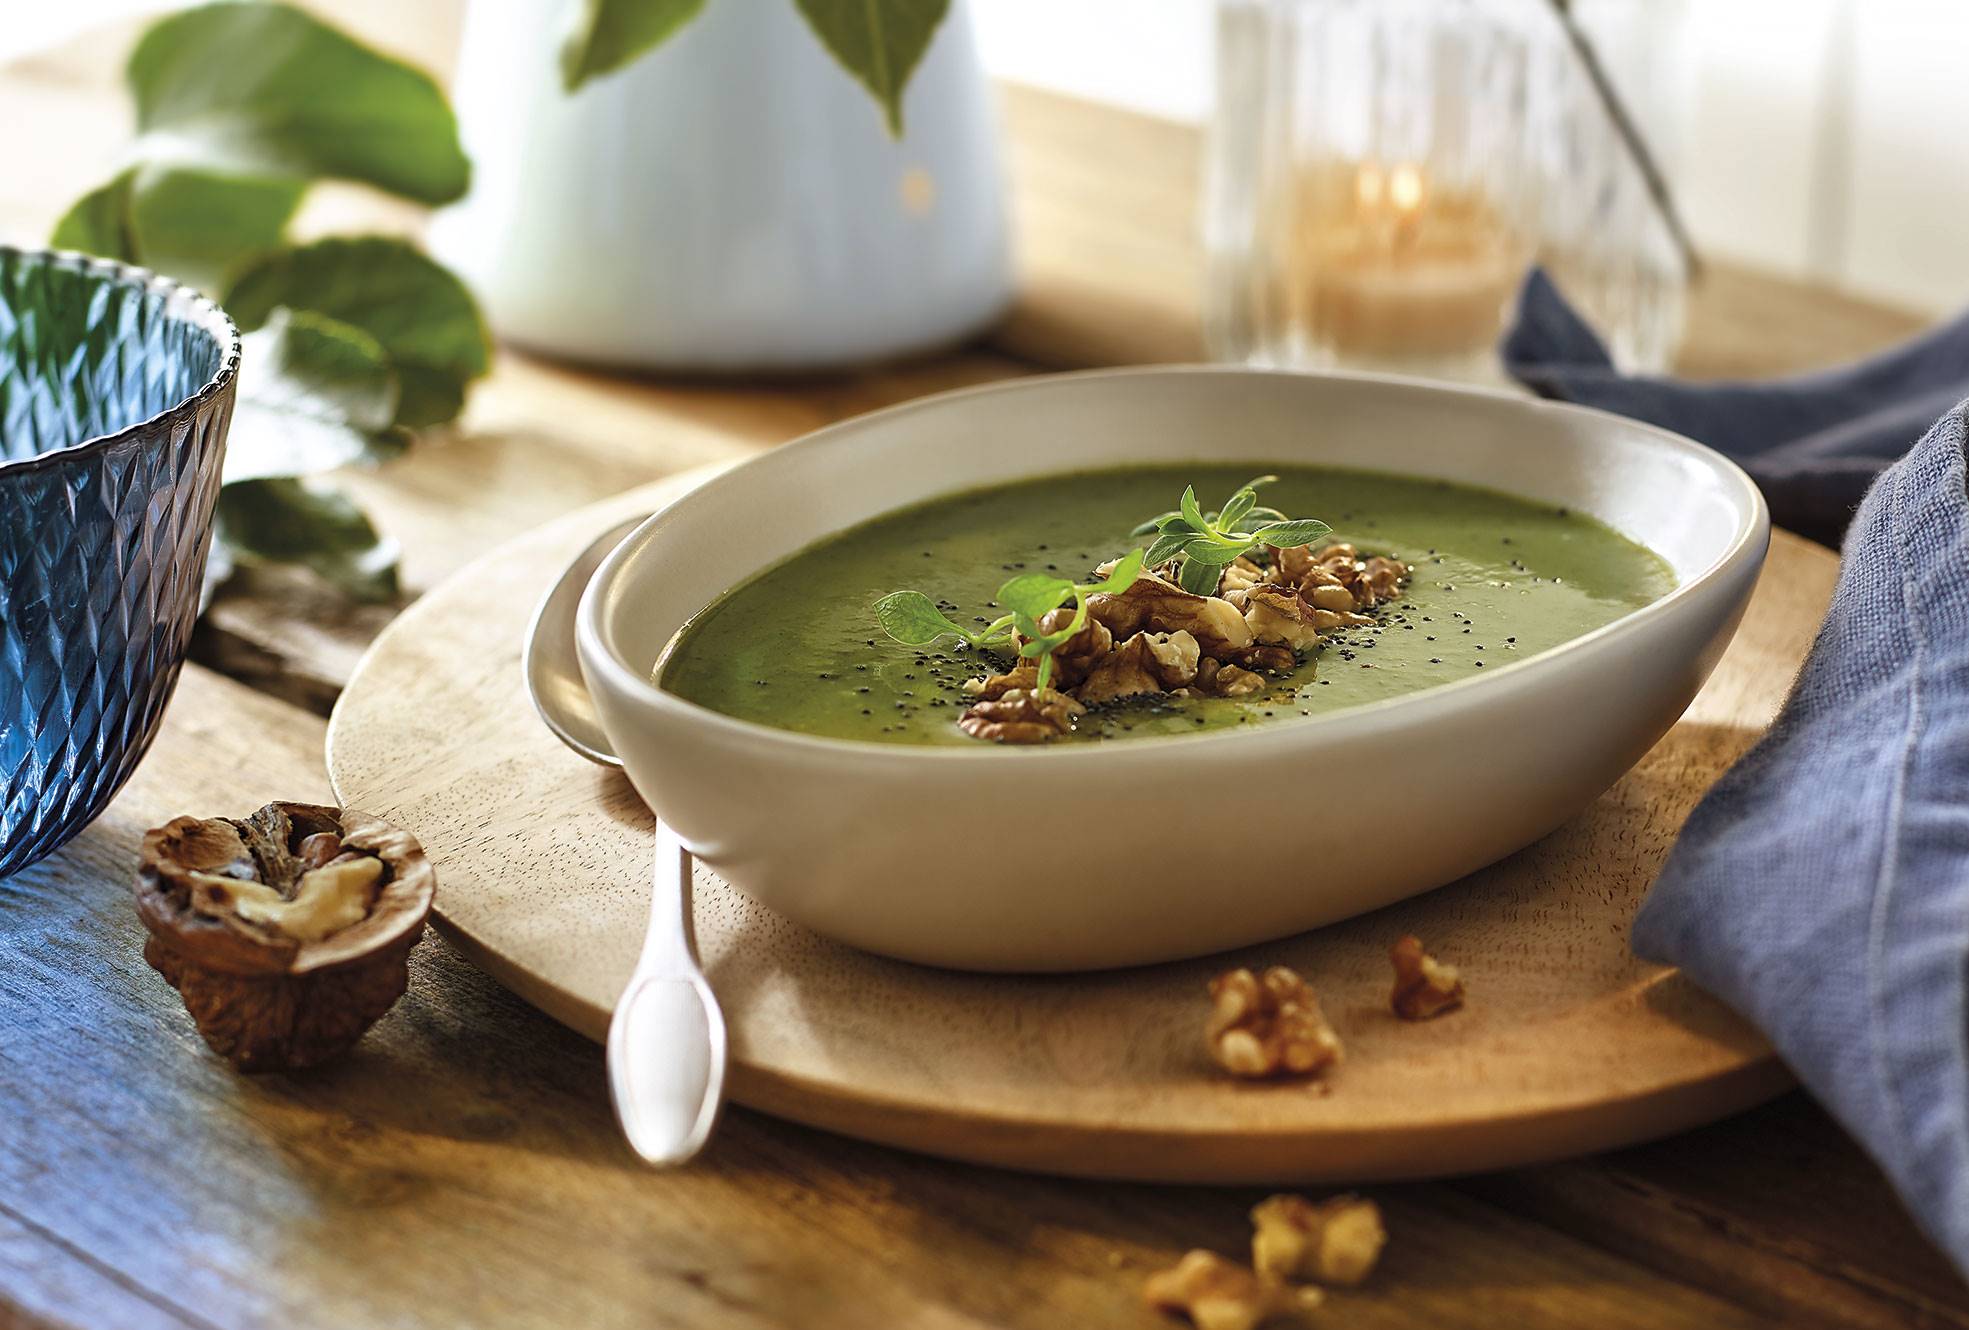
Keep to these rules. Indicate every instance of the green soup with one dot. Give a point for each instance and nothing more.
(1496, 579)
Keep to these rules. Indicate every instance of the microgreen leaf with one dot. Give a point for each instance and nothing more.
(1198, 578)
(1191, 513)
(1166, 547)
(1122, 577)
(1291, 535)
(1153, 524)
(1034, 595)
(1214, 555)
(1234, 512)
(913, 619)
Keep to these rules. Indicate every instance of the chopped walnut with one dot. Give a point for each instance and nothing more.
(1021, 716)
(1270, 1026)
(1145, 663)
(1383, 577)
(1079, 654)
(1241, 575)
(1023, 677)
(1215, 679)
(1424, 986)
(1278, 615)
(1336, 1241)
(1217, 1294)
(1155, 605)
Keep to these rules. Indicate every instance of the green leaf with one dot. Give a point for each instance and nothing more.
(1198, 578)
(1167, 547)
(295, 521)
(1124, 575)
(608, 34)
(913, 619)
(314, 394)
(423, 317)
(99, 222)
(1191, 513)
(1214, 554)
(1238, 508)
(1291, 535)
(1034, 595)
(267, 89)
(184, 222)
(877, 41)
(1154, 523)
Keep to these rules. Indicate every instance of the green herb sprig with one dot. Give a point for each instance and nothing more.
(1206, 542)
(913, 619)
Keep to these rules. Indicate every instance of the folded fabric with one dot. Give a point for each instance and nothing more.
(1813, 442)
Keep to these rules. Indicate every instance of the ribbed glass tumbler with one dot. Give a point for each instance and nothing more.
(116, 388)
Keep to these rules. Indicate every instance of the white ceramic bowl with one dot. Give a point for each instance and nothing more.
(980, 858)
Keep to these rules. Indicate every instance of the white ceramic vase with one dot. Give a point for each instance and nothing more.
(731, 201)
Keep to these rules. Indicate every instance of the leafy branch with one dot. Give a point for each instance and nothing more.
(913, 619)
(1206, 542)
(351, 342)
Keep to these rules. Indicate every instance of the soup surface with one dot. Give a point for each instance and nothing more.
(1496, 579)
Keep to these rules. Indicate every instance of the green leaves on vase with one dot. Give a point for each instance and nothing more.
(608, 34)
(269, 90)
(879, 42)
(350, 342)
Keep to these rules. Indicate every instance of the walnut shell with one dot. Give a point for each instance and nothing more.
(262, 999)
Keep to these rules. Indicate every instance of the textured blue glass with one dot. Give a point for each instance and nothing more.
(115, 391)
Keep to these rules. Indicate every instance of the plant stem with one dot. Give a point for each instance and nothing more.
(1630, 133)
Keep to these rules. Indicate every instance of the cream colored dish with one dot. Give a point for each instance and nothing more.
(982, 859)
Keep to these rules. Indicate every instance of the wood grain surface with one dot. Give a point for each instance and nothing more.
(461, 1167)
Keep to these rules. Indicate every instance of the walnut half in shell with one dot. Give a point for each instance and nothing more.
(286, 933)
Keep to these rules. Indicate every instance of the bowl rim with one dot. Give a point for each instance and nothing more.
(596, 648)
(204, 312)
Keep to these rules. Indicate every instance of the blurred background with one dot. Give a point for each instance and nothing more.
(1814, 138)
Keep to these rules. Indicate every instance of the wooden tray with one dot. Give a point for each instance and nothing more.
(1569, 1044)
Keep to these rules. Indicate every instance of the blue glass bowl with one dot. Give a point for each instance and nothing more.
(116, 387)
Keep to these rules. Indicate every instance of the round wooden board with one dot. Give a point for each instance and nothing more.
(1568, 1044)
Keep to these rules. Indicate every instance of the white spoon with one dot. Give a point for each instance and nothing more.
(666, 1040)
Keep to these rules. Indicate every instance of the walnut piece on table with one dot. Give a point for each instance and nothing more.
(1217, 1294)
(1424, 986)
(1335, 1241)
(285, 932)
(1269, 1026)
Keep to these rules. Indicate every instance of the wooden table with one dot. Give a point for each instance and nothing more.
(461, 1168)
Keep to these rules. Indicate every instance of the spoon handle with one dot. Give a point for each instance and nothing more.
(666, 1040)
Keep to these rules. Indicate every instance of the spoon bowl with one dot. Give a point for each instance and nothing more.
(553, 670)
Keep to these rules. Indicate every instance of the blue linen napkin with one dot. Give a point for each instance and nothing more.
(1821, 888)
(1812, 442)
